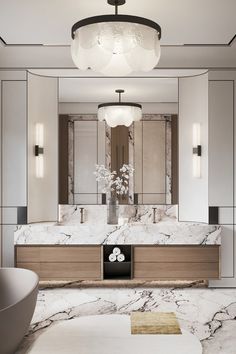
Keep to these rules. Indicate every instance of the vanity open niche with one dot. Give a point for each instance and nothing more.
(115, 269)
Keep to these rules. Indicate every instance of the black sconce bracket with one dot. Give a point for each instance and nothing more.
(197, 150)
(38, 150)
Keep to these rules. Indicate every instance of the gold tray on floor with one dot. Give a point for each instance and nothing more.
(154, 323)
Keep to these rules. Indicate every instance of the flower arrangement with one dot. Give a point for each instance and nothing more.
(112, 182)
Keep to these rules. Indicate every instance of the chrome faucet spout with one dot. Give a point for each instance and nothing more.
(154, 215)
(81, 215)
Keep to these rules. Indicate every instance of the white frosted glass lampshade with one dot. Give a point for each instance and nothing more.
(119, 114)
(116, 48)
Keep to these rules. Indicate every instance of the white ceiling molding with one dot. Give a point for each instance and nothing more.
(172, 57)
(156, 73)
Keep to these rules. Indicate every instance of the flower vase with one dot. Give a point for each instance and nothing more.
(112, 211)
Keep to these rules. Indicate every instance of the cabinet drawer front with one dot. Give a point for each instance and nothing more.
(27, 254)
(70, 254)
(91, 254)
(35, 267)
(176, 254)
(176, 271)
(58, 271)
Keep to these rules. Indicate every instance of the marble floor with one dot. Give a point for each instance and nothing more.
(210, 314)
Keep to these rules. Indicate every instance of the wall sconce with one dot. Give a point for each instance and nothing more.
(197, 150)
(39, 150)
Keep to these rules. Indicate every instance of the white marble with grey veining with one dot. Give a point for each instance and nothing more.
(135, 227)
(208, 313)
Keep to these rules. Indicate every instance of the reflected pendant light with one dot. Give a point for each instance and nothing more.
(119, 113)
(116, 45)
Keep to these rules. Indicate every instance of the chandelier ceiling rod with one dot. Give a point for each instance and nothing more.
(119, 91)
(116, 3)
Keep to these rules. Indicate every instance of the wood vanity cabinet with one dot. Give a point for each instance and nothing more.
(148, 262)
(61, 262)
(176, 262)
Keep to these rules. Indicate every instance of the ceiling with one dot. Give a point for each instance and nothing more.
(103, 89)
(182, 21)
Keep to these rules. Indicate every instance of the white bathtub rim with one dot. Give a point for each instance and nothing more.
(34, 287)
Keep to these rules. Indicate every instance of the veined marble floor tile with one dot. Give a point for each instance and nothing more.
(110, 334)
(208, 313)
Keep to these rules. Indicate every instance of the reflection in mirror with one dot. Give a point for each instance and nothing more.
(149, 145)
(152, 160)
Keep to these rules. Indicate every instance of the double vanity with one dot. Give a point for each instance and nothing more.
(146, 262)
(165, 250)
(155, 245)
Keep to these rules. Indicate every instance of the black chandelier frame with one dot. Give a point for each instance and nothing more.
(119, 103)
(116, 18)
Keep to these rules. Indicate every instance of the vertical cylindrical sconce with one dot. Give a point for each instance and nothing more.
(197, 150)
(39, 150)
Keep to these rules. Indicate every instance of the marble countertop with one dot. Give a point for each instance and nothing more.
(162, 233)
(135, 227)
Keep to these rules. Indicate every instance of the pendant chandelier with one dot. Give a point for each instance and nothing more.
(116, 45)
(119, 113)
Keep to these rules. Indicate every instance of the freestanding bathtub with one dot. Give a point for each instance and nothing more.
(18, 294)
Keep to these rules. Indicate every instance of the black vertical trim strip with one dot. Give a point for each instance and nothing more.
(104, 197)
(22, 215)
(57, 206)
(213, 215)
(178, 155)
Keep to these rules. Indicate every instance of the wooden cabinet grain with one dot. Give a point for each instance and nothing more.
(61, 262)
(176, 262)
(150, 262)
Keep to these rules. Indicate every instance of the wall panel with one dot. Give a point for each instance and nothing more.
(222, 164)
(13, 159)
(8, 245)
(43, 108)
(13, 143)
(193, 108)
(221, 122)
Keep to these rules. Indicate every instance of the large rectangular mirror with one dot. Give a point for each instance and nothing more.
(149, 145)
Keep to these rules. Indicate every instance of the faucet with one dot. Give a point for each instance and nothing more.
(154, 215)
(81, 215)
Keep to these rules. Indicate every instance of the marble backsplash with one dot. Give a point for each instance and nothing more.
(135, 227)
(128, 214)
